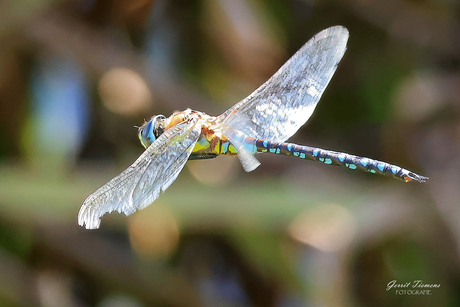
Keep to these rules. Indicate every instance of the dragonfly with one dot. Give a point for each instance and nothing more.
(260, 123)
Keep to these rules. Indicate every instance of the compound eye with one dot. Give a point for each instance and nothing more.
(146, 134)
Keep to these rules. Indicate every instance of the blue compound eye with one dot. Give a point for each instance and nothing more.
(151, 130)
(146, 135)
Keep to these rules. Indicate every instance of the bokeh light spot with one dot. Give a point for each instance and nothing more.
(215, 172)
(154, 232)
(329, 227)
(124, 91)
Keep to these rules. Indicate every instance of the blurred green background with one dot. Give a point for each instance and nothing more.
(77, 76)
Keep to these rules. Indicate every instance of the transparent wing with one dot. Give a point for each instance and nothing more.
(280, 106)
(141, 183)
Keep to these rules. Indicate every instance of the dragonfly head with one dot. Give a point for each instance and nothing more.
(151, 130)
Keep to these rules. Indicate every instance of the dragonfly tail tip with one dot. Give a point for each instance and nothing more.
(413, 176)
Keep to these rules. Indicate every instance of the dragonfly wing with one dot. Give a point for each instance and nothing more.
(280, 106)
(142, 182)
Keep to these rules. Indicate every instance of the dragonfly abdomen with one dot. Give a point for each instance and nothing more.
(338, 158)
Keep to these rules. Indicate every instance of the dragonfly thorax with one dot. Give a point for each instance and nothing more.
(151, 130)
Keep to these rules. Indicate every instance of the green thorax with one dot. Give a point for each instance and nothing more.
(214, 146)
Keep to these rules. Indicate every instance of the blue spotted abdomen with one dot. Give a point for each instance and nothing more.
(338, 158)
